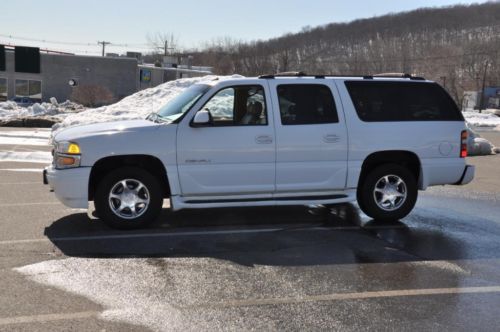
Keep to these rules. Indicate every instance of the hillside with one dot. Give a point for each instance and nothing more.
(453, 45)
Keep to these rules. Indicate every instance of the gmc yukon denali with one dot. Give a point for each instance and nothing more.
(288, 139)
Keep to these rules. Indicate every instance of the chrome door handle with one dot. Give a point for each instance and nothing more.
(331, 138)
(263, 139)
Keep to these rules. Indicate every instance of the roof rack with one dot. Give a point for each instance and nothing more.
(395, 75)
(321, 76)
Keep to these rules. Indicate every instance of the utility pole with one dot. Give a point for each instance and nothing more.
(103, 43)
(481, 102)
(166, 48)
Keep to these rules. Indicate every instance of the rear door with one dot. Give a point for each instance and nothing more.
(311, 136)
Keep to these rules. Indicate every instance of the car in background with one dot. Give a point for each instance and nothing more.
(24, 101)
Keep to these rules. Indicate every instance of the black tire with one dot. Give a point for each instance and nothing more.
(370, 201)
(145, 213)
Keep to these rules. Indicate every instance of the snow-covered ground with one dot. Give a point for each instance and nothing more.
(489, 119)
(25, 137)
(18, 142)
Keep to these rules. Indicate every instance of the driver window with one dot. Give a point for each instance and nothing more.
(238, 106)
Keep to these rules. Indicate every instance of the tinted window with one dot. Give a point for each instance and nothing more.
(402, 101)
(238, 106)
(27, 59)
(302, 104)
(2, 58)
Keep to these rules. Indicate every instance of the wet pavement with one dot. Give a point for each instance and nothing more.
(250, 269)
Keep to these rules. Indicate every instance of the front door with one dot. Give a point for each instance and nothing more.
(235, 153)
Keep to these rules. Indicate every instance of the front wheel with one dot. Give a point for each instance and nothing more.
(128, 198)
(388, 193)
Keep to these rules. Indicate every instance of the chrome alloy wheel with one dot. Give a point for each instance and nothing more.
(390, 192)
(129, 199)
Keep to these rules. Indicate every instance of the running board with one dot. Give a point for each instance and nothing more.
(248, 200)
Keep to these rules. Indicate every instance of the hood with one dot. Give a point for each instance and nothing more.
(105, 128)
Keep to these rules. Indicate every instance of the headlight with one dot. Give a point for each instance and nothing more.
(67, 147)
(67, 155)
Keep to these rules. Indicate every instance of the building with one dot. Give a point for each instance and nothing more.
(490, 99)
(28, 72)
(169, 69)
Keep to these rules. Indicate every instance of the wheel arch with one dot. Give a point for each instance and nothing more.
(147, 162)
(404, 158)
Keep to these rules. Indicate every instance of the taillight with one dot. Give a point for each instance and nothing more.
(463, 144)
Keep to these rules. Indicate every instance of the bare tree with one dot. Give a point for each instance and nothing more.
(92, 95)
(163, 42)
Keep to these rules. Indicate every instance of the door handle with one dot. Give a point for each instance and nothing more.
(263, 139)
(331, 138)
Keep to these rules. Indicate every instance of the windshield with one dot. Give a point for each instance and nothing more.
(176, 107)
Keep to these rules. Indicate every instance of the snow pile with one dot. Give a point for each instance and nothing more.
(478, 146)
(136, 106)
(9, 110)
(487, 120)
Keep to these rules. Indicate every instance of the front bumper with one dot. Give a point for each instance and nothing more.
(467, 175)
(69, 185)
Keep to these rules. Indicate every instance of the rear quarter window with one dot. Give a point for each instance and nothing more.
(402, 101)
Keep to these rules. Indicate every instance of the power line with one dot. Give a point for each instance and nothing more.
(143, 46)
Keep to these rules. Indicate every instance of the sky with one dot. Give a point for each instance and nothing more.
(63, 23)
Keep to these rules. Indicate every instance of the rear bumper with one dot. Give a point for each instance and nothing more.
(69, 185)
(467, 175)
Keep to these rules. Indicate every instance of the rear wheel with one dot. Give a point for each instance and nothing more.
(128, 198)
(388, 193)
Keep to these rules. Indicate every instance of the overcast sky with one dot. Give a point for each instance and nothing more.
(192, 21)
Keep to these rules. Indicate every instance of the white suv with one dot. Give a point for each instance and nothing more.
(273, 140)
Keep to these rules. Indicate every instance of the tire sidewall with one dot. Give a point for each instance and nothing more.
(367, 201)
(101, 201)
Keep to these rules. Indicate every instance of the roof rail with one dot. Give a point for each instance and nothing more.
(322, 76)
(396, 75)
(285, 74)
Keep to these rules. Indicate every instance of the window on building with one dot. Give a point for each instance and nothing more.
(303, 104)
(22, 88)
(35, 90)
(3, 89)
(29, 88)
(402, 101)
(27, 59)
(2, 58)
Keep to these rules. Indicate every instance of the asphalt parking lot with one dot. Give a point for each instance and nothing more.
(251, 269)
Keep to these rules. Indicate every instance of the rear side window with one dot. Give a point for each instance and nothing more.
(402, 101)
(303, 104)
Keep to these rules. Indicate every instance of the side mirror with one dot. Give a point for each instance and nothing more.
(202, 118)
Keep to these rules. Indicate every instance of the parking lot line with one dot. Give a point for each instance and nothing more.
(26, 170)
(173, 234)
(349, 296)
(47, 317)
(27, 204)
